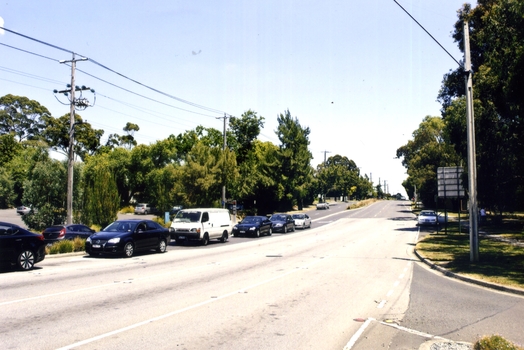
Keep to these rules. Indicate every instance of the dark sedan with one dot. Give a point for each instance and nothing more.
(253, 226)
(282, 223)
(59, 232)
(127, 237)
(20, 247)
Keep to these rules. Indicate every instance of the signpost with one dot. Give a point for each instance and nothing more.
(450, 186)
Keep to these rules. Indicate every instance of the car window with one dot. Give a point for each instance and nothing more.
(205, 217)
(151, 225)
(187, 216)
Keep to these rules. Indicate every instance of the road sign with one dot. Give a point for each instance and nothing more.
(450, 182)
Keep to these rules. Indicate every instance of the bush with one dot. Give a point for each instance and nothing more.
(128, 210)
(495, 342)
(67, 246)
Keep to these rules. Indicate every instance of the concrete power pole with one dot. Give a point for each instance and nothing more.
(472, 167)
(71, 152)
(223, 149)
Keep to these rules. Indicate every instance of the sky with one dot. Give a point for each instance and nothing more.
(360, 74)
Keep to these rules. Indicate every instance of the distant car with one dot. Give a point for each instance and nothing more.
(126, 237)
(59, 232)
(282, 223)
(324, 205)
(143, 208)
(302, 221)
(20, 247)
(255, 226)
(23, 210)
(427, 218)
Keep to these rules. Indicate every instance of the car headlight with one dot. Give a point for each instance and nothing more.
(88, 239)
(252, 228)
(235, 227)
(278, 225)
(114, 240)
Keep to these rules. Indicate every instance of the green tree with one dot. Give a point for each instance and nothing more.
(101, 199)
(56, 133)
(424, 154)
(338, 176)
(245, 131)
(45, 191)
(21, 117)
(497, 52)
(295, 159)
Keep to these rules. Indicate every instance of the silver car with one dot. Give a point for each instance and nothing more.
(302, 221)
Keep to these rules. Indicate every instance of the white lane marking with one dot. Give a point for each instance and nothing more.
(194, 306)
(357, 335)
(381, 305)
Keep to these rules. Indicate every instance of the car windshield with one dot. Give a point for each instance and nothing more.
(251, 220)
(427, 213)
(187, 216)
(298, 216)
(121, 226)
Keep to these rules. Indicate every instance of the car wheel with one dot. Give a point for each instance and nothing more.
(223, 239)
(26, 260)
(129, 249)
(270, 232)
(146, 212)
(162, 246)
(257, 233)
(205, 240)
(293, 228)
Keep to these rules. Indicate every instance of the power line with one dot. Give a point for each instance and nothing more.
(420, 25)
(111, 70)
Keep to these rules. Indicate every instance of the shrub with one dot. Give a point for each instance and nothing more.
(64, 246)
(127, 210)
(495, 342)
(79, 244)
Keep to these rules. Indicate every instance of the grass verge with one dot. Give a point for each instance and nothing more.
(500, 261)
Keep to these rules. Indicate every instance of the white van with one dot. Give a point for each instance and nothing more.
(201, 224)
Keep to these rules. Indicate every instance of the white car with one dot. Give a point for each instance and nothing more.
(324, 205)
(302, 221)
(427, 218)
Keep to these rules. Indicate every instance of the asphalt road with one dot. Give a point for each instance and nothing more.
(349, 282)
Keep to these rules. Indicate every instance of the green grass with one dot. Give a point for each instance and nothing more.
(499, 262)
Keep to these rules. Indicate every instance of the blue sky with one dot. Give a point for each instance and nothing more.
(360, 74)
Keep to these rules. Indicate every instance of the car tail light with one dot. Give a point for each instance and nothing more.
(62, 233)
(41, 237)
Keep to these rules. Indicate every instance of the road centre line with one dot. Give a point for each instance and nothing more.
(191, 307)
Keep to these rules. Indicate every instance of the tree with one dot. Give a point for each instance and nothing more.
(45, 191)
(338, 176)
(101, 199)
(56, 133)
(497, 53)
(422, 156)
(245, 131)
(295, 159)
(21, 117)
(128, 140)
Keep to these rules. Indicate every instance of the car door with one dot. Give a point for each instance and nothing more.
(7, 244)
(142, 237)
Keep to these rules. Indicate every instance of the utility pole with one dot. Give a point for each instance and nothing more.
(73, 103)
(325, 156)
(224, 149)
(472, 167)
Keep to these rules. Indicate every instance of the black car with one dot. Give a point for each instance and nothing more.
(59, 232)
(20, 247)
(282, 223)
(253, 226)
(127, 237)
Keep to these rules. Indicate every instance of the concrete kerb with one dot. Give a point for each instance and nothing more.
(64, 255)
(485, 284)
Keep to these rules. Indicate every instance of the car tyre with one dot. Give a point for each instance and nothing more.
(129, 249)
(162, 246)
(223, 239)
(205, 240)
(26, 260)
(270, 232)
(293, 228)
(257, 233)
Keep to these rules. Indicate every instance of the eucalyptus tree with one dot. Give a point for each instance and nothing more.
(21, 117)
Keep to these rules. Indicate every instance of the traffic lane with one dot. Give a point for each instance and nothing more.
(291, 289)
(460, 311)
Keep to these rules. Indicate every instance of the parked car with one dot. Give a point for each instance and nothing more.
(253, 226)
(282, 223)
(23, 210)
(127, 237)
(302, 221)
(57, 233)
(427, 218)
(324, 205)
(201, 224)
(143, 208)
(20, 247)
